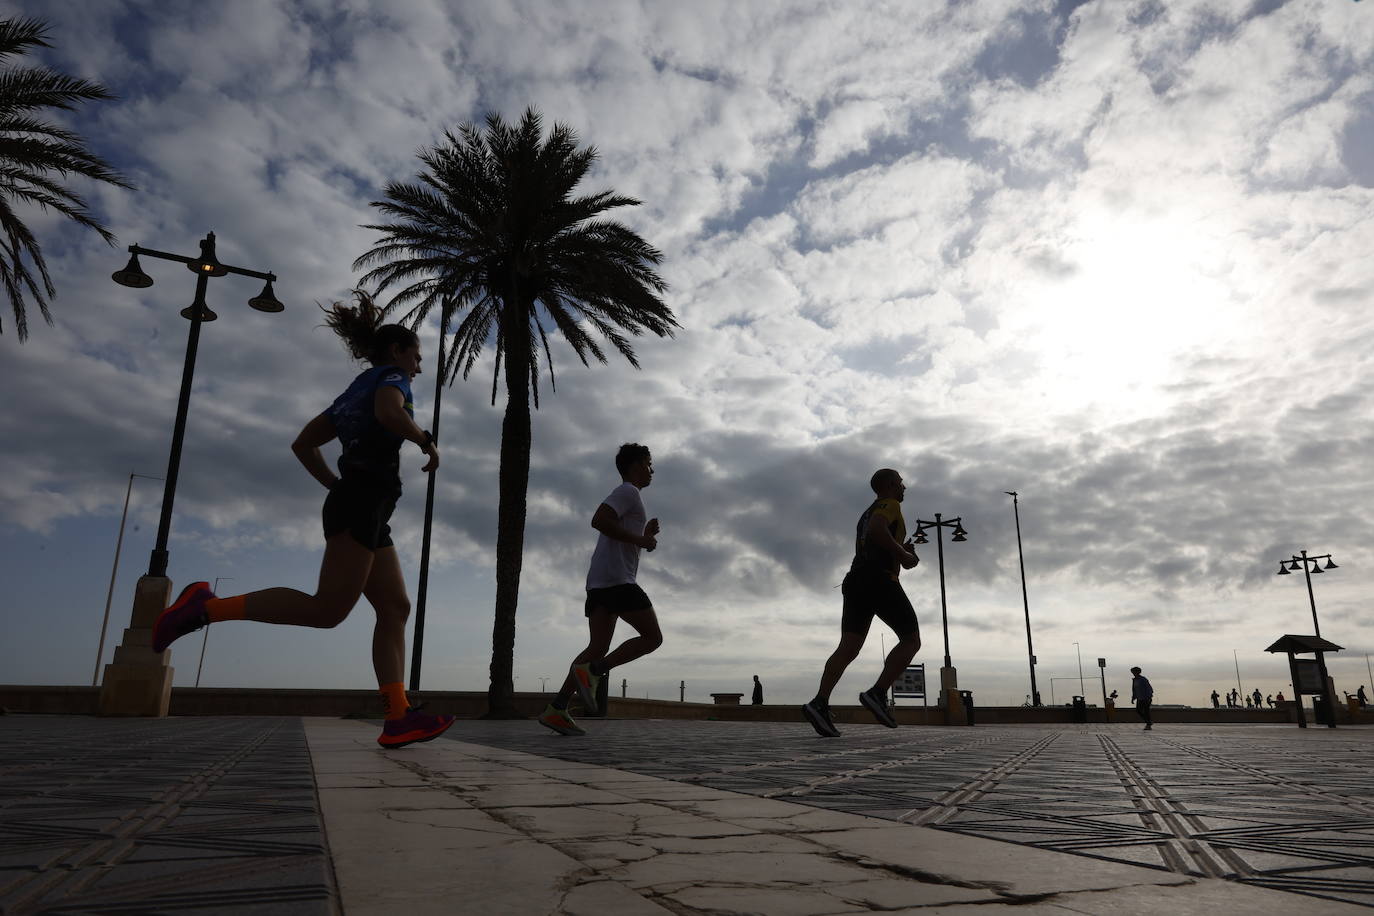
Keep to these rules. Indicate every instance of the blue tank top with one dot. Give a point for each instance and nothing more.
(371, 452)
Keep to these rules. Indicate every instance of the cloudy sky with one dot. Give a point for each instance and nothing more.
(1114, 256)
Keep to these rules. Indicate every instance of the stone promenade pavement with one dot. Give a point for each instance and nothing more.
(650, 817)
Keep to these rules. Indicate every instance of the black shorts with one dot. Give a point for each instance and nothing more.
(868, 596)
(361, 510)
(618, 599)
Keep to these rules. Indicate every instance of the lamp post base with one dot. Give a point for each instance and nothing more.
(139, 681)
(949, 678)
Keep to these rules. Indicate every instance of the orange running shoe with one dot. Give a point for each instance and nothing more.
(560, 721)
(185, 615)
(415, 726)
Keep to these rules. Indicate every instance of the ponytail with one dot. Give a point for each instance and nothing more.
(362, 332)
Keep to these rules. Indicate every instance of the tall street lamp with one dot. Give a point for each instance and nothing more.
(1082, 691)
(205, 641)
(1294, 563)
(1287, 568)
(109, 595)
(198, 312)
(139, 681)
(949, 679)
(1025, 601)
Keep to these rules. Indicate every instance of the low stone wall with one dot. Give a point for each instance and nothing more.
(239, 701)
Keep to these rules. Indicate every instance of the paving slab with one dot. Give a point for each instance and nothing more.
(634, 844)
(1264, 806)
(160, 816)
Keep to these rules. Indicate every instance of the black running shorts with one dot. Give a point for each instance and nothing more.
(362, 511)
(618, 599)
(868, 596)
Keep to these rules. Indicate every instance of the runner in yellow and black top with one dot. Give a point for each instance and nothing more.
(871, 589)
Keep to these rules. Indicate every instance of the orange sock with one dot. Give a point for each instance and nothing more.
(220, 609)
(394, 699)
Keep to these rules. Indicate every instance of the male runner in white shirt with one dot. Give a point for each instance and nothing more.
(612, 592)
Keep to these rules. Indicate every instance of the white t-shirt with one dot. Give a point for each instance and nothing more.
(616, 562)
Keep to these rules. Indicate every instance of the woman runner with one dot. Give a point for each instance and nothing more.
(371, 420)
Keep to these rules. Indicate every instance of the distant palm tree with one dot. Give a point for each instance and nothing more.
(491, 228)
(35, 156)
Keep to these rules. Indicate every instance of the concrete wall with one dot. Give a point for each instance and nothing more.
(236, 701)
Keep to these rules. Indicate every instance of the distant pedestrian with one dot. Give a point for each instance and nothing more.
(871, 588)
(1142, 695)
(1249, 702)
(623, 530)
(1270, 700)
(1216, 700)
(1259, 699)
(1278, 698)
(1359, 695)
(758, 691)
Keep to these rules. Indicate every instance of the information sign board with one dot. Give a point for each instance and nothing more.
(911, 682)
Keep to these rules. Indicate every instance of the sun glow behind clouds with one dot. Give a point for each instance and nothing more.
(1126, 296)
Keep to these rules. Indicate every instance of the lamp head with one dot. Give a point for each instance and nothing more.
(1316, 568)
(1283, 570)
(198, 309)
(1294, 566)
(265, 301)
(207, 263)
(132, 275)
(1331, 564)
(959, 533)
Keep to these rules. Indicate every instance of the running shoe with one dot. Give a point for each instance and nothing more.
(413, 727)
(818, 714)
(876, 706)
(560, 721)
(586, 687)
(185, 615)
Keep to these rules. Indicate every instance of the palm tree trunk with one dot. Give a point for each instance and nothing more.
(510, 522)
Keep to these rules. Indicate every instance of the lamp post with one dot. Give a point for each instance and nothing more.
(139, 682)
(109, 595)
(1293, 563)
(198, 312)
(949, 679)
(206, 639)
(1025, 601)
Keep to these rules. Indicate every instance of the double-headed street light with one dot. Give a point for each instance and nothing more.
(948, 678)
(1294, 563)
(205, 266)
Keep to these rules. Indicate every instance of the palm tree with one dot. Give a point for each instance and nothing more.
(35, 156)
(491, 228)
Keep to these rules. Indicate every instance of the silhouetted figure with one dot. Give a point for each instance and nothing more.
(1259, 699)
(1278, 697)
(1359, 695)
(1249, 702)
(1270, 700)
(1142, 695)
(1216, 700)
(871, 588)
(758, 691)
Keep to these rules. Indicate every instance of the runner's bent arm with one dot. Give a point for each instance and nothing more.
(879, 534)
(389, 405)
(608, 523)
(307, 448)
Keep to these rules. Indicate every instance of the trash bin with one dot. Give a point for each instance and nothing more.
(967, 697)
(1080, 710)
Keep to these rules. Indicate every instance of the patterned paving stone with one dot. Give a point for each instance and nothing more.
(1273, 807)
(155, 816)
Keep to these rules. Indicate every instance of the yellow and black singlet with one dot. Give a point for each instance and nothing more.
(871, 559)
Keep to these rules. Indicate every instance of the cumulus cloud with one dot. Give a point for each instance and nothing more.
(1109, 255)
